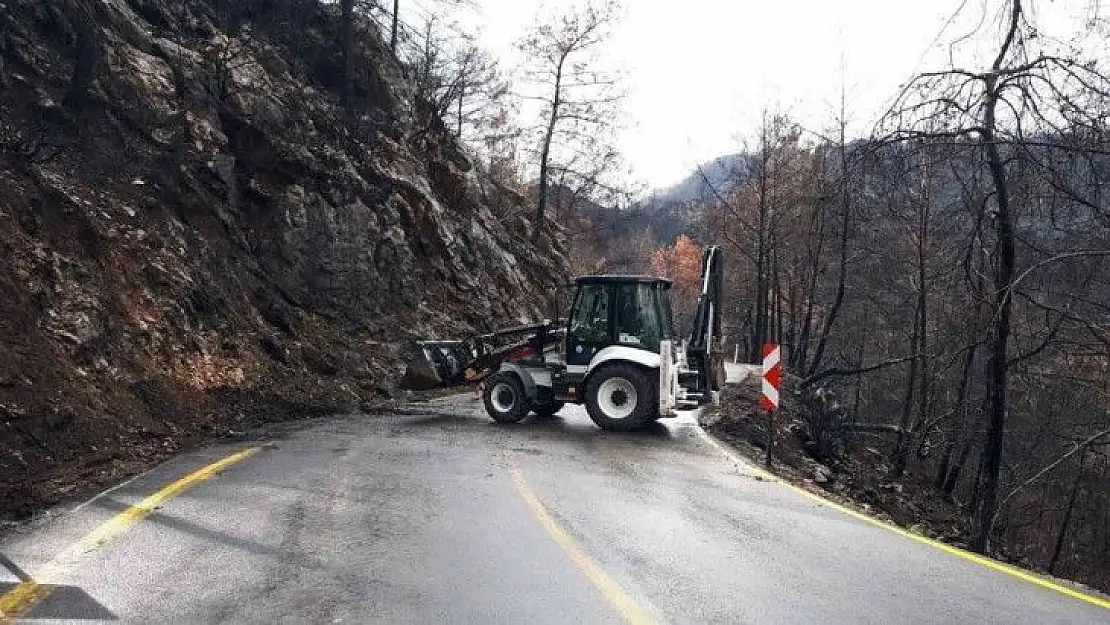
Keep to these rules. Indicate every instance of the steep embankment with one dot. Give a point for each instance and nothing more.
(819, 448)
(195, 233)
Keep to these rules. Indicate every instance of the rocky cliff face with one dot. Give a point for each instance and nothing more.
(200, 225)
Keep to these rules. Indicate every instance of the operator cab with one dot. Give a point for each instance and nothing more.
(631, 311)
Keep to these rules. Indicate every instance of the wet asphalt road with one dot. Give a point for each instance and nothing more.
(431, 516)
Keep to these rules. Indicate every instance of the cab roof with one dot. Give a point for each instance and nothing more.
(612, 279)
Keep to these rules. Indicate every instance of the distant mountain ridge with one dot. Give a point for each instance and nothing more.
(665, 213)
(721, 173)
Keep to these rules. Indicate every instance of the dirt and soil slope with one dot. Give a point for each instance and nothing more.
(195, 234)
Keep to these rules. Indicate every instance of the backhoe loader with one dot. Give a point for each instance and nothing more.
(617, 354)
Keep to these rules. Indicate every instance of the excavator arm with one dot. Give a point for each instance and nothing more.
(703, 350)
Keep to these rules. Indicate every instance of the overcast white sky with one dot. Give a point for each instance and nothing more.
(701, 71)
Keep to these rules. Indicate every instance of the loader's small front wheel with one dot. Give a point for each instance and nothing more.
(621, 397)
(503, 395)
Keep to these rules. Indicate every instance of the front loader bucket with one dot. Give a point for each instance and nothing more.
(436, 364)
(442, 364)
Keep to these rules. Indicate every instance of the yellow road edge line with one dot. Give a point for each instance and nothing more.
(601, 580)
(21, 599)
(981, 560)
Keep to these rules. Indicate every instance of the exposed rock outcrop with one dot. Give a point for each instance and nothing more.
(195, 232)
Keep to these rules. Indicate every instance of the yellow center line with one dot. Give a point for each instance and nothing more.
(21, 599)
(981, 560)
(601, 580)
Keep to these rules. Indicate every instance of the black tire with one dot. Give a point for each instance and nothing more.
(503, 395)
(618, 380)
(547, 409)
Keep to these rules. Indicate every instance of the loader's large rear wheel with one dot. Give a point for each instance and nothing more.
(503, 395)
(621, 397)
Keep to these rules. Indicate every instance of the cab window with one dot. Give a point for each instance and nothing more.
(639, 322)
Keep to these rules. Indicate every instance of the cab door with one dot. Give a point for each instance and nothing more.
(591, 323)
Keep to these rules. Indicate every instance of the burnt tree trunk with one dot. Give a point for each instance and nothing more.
(1067, 516)
(917, 348)
(961, 430)
(394, 27)
(998, 365)
(842, 274)
(545, 153)
(762, 300)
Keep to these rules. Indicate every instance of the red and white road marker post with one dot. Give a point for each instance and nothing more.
(769, 398)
